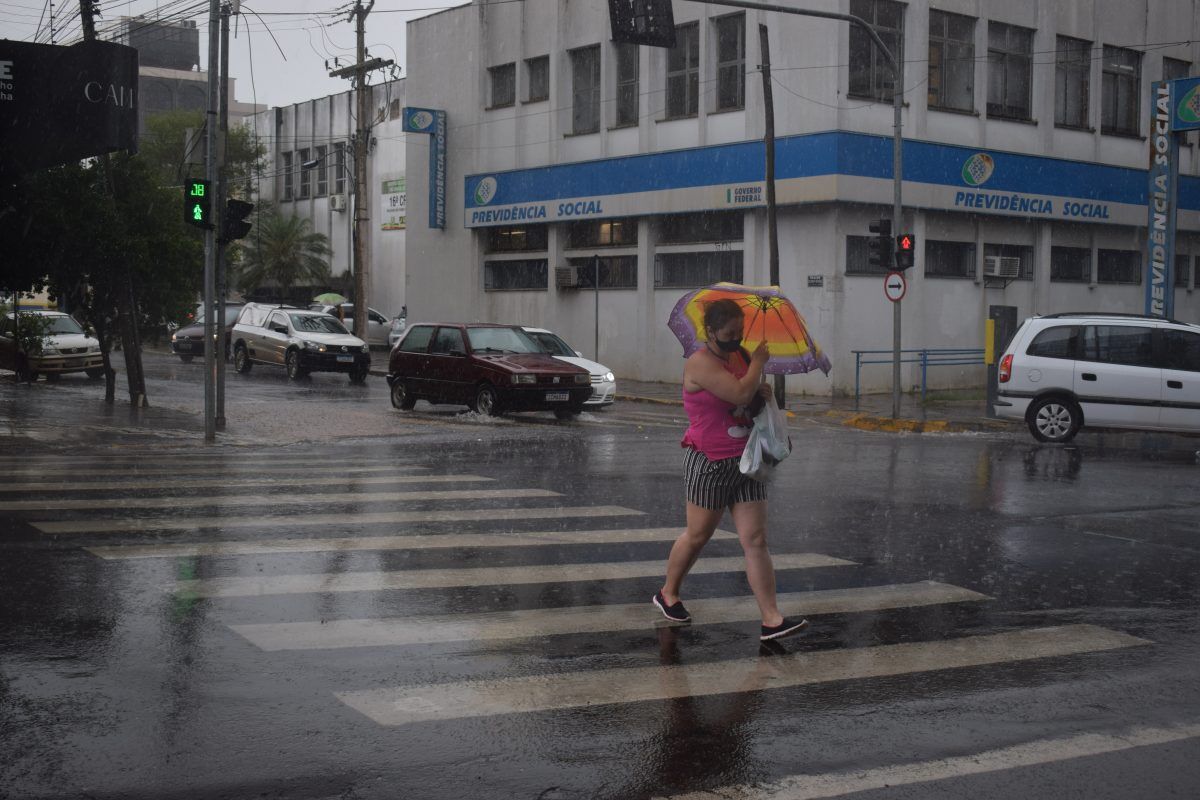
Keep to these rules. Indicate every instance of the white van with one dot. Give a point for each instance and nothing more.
(1064, 371)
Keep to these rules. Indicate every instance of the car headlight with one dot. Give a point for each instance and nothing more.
(524, 379)
(366, 348)
(174, 337)
(314, 346)
(95, 348)
(609, 377)
(584, 378)
(50, 351)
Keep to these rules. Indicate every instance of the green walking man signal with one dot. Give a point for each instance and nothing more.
(197, 204)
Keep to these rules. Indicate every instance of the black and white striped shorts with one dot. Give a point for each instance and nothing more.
(718, 484)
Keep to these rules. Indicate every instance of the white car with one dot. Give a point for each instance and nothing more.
(399, 324)
(378, 325)
(66, 348)
(604, 383)
(1064, 371)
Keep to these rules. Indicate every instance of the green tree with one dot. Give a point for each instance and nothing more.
(283, 251)
(165, 142)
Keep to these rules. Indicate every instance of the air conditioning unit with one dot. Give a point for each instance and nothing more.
(566, 277)
(337, 202)
(1001, 267)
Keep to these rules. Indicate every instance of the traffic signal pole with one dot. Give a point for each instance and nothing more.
(222, 194)
(210, 237)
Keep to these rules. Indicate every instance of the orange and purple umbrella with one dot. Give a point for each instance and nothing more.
(770, 317)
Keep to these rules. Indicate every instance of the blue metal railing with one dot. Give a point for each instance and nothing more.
(927, 357)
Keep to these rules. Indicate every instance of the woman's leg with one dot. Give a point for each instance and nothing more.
(750, 519)
(701, 522)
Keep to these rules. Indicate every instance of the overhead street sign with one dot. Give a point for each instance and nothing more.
(894, 286)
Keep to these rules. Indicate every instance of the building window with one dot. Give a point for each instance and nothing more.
(305, 174)
(1183, 271)
(627, 84)
(603, 233)
(870, 71)
(951, 61)
(616, 272)
(288, 177)
(501, 276)
(517, 239)
(683, 72)
(689, 270)
(339, 168)
(322, 170)
(504, 85)
(1010, 67)
(949, 259)
(710, 226)
(1020, 252)
(1072, 80)
(858, 257)
(537, 79)
(1119, 266)
(585, 89)
(1071, 264)
(1119, 91)
(1174, 68)
(731, 62)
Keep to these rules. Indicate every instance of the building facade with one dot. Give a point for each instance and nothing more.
(310, 173)
(1026, 132)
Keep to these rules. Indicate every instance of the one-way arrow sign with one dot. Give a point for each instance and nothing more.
(894, 286)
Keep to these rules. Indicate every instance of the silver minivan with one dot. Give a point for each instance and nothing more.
(1062, 372)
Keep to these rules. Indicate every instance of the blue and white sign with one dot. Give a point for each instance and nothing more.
(1185, 104)
(1161, 200)
(433, 122)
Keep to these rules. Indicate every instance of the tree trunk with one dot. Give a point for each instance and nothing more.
(132, 346)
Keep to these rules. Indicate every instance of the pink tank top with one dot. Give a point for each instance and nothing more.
(716, 428)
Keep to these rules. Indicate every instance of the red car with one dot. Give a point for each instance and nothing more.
(490, 368)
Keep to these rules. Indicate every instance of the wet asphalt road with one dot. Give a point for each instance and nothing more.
(301, 611)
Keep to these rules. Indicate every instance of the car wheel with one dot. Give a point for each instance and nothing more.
(487, 402)
(359, 374)
(1054, 419)
(294, 370)
(401, 397)
(241, 359)
(96, 372)
(567, 413)
(186, 359)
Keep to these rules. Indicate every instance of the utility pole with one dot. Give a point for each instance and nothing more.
(222, 196)
(772, 216)
(361, 146)
(210, 238)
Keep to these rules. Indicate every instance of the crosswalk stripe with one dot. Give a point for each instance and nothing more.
(308, 520)
(233, 471)
(1026, 754)
(292, 499)
(320, 583)
(232, 459)
(478, 698)
(411, 542)
(432, 629)
(333, 480)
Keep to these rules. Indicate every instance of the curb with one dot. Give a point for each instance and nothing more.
(869, 422)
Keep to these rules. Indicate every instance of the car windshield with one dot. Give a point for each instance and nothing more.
(56, 325)
(552, 344)
(500, 340)
(231, 315)
(317, 323)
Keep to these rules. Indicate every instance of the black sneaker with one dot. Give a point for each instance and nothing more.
(675, 612)
(785, 628)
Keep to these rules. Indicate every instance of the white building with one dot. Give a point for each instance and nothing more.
(322, 130)
(1026, 137)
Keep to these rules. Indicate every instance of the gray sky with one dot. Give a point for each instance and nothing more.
(306, 30)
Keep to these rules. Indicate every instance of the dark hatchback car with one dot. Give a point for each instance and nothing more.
(490, 368)
(188, 341)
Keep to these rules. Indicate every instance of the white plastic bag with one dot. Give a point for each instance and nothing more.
(767, 444)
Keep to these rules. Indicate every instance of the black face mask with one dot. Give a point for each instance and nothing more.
(731, 346)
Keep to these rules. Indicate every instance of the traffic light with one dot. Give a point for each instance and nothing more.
(906, 249)
(197, 204)
(881, 245)
(234, 225)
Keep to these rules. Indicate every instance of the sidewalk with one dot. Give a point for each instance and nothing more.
(949, 411)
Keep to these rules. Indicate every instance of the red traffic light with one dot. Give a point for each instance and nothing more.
(904, 242)
(906, 245)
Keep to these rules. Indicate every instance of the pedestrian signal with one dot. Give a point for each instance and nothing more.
(197, 204)
(881, 245)
(906, 247)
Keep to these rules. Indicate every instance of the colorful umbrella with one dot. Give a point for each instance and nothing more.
(770, 317)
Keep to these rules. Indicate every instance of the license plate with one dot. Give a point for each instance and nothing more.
(558, 397)
(183, 346)
(345, 359)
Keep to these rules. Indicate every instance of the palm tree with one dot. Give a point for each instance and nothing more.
(283, 251)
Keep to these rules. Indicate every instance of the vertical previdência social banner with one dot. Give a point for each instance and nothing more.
(1161, 199)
